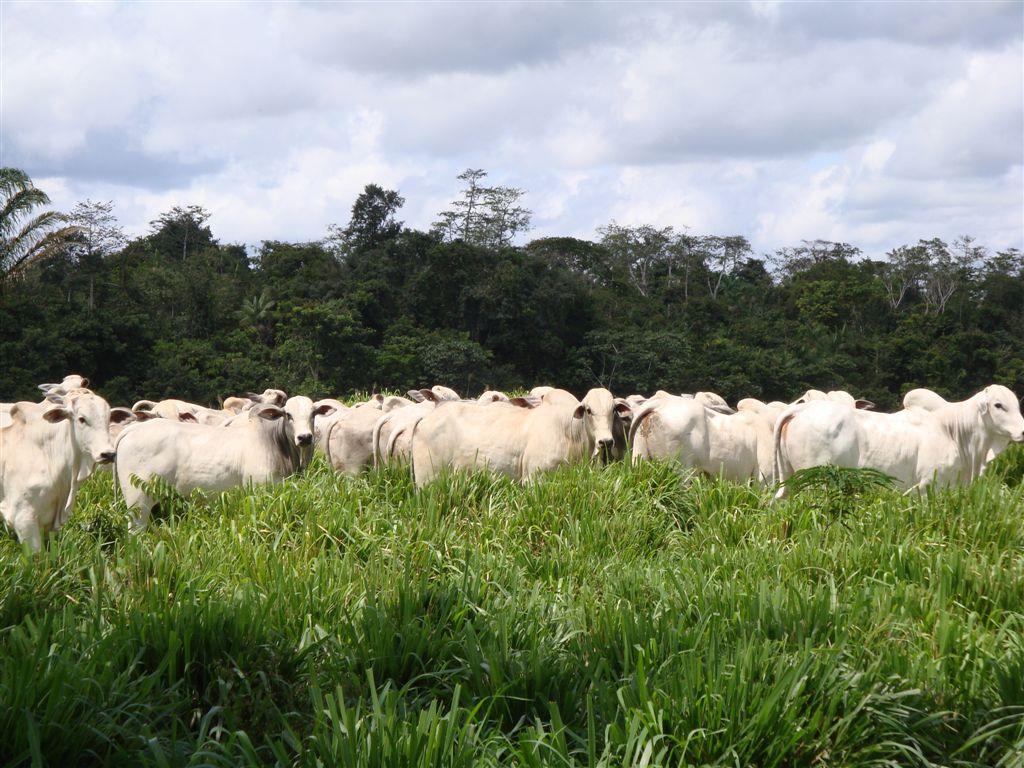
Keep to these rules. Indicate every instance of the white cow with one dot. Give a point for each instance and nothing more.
(197, 456)
(182, 410)
(493, 396)
(348, 440)
(392, 433)
(321, 423)
(709, 400)
(390, 437)
(713, 402)
(753, 405)
(515, 441)
(435, 393)
(391, 402)
(303, 412)
(931, 401)
(836, 396)
(121, 417)
(946, 446)
(737, 445)
(70, 382)
(236, 405)
(276, 397)
(46, 452)
(924, 398)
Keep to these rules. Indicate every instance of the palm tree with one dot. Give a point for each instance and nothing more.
(256, 314)
(27, 237)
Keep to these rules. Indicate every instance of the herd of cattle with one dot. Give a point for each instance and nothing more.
(48, 449)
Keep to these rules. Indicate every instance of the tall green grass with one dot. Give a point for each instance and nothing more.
(597, 617)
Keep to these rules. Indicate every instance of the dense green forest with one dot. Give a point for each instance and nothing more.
(378, 305)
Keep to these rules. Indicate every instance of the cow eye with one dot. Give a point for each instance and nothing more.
(1000, 406)
(81, 419)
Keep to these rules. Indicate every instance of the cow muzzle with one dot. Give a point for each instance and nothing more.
(304, 439)
(603, 449)
(106, 457)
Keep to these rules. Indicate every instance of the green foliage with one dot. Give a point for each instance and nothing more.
(379, 306)
(837, 490)
(599, 617)
(28, 237)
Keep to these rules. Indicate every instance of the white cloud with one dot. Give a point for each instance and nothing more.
(783, 121)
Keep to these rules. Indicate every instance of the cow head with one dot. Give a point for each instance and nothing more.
(392, 402)
(444, 393)
(714, 402)
(271, 413)
(119, 415)
(302, 413)
(492, 396)
(89, 416)
(810, 396)
(70, 382)
(1000, 410)
(601, 412)
(269, 397)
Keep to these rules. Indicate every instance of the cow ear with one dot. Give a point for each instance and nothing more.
(145, 415)
(53, 415)
(429, 395)
(415, 396)
(47, 387)
(864, 405)
(85, 382)
(522, 402)
(186, 416)
(252, 396)
(117, 415)
(580, 411)
(378, 397)
(10, 416)
(323, 409)
(55, 398)
(270, 412)
(623, 408)
(983, 404)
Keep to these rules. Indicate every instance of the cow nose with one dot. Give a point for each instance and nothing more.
(107, 456)
(305, 438)
(606, 443)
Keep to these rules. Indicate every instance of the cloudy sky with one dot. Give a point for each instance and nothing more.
(874, 123)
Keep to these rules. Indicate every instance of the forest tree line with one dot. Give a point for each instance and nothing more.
(377, 305)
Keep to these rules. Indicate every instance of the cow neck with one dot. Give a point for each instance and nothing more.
(964, 425)
(575, 430)
(63, 459)
(282, 454)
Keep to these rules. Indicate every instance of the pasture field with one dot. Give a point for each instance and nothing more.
(597, 617)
